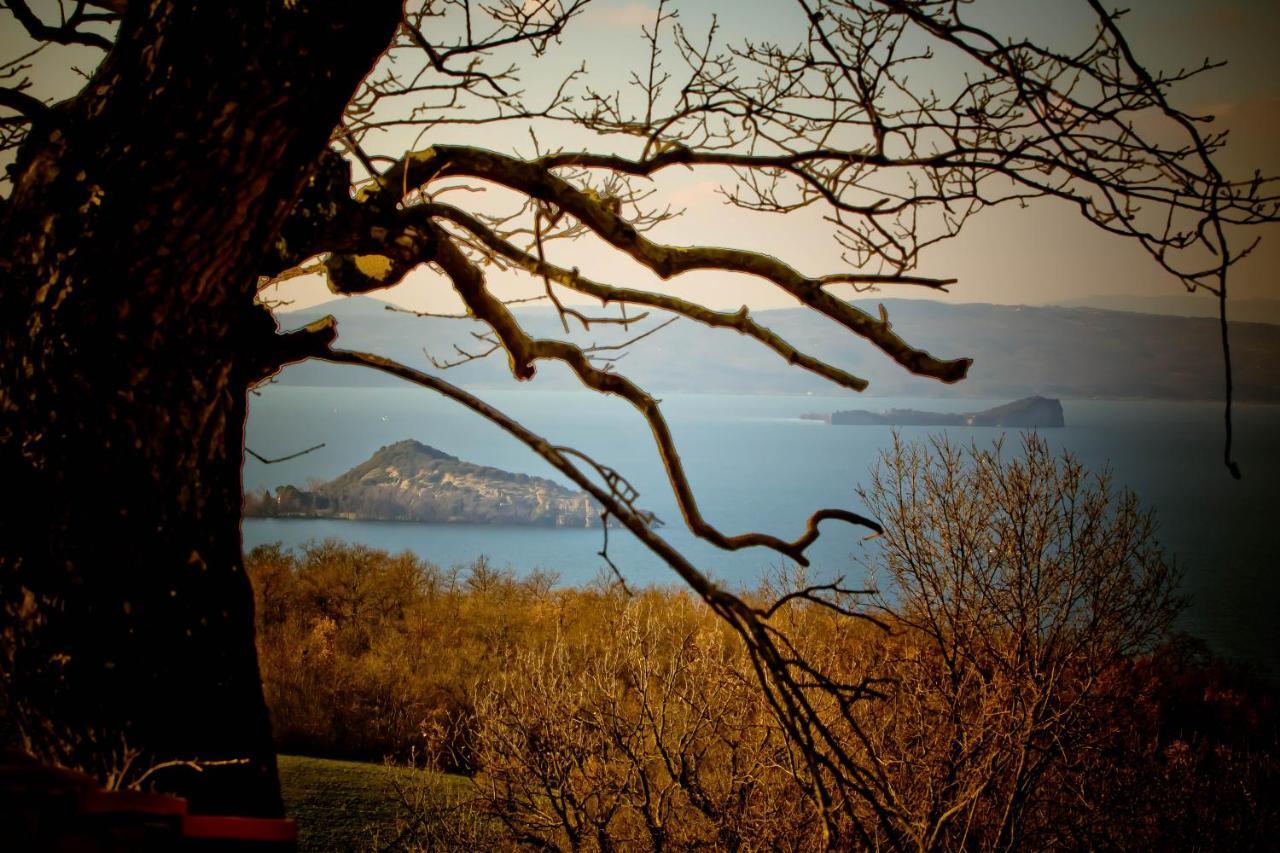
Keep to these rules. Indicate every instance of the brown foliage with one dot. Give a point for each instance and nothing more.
(654, 735)
(1012, 687)
(366, 654)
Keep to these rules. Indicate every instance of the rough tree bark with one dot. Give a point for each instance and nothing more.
(143, 211)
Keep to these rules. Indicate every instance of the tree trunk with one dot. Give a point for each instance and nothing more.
(142, 212)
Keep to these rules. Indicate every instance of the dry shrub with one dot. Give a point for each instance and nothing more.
(1021, 695)
(1012, 687)
(366, 654)
(1020, 587)
(652, 735)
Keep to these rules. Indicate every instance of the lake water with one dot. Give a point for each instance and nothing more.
(756, 465)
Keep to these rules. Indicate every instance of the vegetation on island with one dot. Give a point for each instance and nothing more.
(1028, 413)
(410, 481)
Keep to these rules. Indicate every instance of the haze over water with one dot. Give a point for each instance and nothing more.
(755, 465)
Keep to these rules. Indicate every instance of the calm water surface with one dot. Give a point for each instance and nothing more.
(756, 465)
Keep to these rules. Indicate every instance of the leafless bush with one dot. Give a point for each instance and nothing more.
(652, 737)
(1019, 586)
(990, 673)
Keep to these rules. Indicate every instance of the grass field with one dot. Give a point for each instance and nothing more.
(346, 805)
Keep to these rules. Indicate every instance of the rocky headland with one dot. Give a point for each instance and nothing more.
(1027, 413)
(411, 481)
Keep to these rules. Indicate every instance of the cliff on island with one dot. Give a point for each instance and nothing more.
(1027, 413)
(410, 481)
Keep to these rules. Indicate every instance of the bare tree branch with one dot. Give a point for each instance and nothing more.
(266, 461)
(67, 33)
(666, 261)
(19, 101)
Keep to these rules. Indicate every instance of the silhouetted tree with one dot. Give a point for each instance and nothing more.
(213, 148)
(141, 214)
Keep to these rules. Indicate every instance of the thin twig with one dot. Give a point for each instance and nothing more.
(266, 461)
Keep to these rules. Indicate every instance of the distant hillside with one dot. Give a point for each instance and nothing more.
(1182, 305)
(1018, 351)
(410, 481)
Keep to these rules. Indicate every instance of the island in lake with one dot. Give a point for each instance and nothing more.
(410, 481)
(1027, 413)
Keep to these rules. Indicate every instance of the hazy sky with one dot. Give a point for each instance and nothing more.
(1040, 254)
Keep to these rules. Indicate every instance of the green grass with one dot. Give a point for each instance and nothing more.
(347, 805)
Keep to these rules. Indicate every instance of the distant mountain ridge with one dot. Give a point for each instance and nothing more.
(411, 481)
(1018, 351)
(1181, 305)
